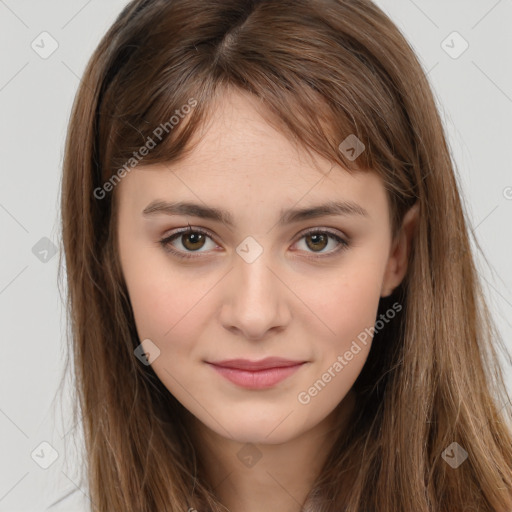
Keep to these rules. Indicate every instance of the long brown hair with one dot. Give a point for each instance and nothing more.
(323, 70)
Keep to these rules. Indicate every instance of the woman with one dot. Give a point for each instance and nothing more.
(226, 356)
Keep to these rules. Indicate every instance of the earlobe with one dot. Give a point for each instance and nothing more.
(400, 250)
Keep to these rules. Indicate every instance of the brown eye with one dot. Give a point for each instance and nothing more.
(190, 239)
(318, 241)
(193, 241)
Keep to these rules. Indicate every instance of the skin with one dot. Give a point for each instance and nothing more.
(219, 306)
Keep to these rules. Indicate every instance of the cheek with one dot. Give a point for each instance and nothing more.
(346, 311)
(343, 303)
(161, 294)
(347, 306)
(167, 306)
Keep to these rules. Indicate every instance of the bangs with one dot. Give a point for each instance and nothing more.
(158, 96)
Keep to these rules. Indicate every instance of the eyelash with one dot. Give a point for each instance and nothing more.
(165, 242)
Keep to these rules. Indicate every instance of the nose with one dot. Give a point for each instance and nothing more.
(255, 299)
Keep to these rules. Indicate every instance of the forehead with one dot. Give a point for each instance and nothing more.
(239, 158)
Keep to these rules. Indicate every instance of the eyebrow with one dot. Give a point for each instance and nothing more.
(288, 216)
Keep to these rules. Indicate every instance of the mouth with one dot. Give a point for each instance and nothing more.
(256, 374)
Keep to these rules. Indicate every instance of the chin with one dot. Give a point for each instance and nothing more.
(265, 429)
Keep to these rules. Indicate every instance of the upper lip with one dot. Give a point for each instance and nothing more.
(263, 364)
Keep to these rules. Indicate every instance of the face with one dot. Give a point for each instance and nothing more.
(267, 283)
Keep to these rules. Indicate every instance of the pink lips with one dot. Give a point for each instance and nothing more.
(256, 374)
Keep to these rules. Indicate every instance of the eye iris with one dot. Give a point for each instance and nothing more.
(317, 237)
(196, 237)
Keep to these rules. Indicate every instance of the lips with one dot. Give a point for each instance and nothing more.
(263, 364)
(256, 375)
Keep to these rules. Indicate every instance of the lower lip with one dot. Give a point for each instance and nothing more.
(259, 379)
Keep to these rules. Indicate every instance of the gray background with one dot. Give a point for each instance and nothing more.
(474, 95)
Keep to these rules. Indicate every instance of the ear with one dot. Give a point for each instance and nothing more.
(399, 254)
